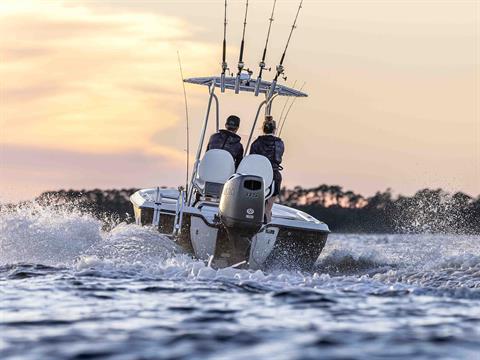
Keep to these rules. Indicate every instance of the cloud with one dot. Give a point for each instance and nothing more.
(392, 85)
(77, 79)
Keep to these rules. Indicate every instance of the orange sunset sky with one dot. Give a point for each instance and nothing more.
(91, 94)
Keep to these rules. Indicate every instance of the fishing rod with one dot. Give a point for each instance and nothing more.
(187, 121)
(224, 56)
(280, 69)
(262, 62)
(288, 111)
(242, 45)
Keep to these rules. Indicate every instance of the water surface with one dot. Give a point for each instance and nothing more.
(70, 290)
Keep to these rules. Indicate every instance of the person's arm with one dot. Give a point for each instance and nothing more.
(279, 151)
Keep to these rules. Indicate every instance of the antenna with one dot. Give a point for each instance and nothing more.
(187, 122)
(224, 56)
(242, 45)
(288, 111)
(280, 68)
(262, 62)
(286, 102)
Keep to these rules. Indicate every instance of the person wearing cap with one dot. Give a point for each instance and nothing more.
(272, 147)
(227, 139)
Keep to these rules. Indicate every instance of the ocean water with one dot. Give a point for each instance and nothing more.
(70, 290)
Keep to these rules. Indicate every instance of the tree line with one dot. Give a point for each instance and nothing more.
(428, 210)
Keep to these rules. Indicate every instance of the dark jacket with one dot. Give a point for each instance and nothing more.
(272, 148)
(229, 141)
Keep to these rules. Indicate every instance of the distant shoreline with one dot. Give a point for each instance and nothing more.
(430, 211)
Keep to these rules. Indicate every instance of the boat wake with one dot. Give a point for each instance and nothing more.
(79, 287)
(36, 240)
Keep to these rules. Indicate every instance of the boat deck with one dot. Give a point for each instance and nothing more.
(281, 215)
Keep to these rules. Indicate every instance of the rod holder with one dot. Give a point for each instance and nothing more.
(237, 84)
(257, 86)
(222, 83)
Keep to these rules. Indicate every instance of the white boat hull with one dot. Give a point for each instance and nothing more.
(292, 240)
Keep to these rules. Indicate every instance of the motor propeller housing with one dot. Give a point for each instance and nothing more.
(242, 204)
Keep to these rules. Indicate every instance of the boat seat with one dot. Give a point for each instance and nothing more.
(260, 166)
(214, 170)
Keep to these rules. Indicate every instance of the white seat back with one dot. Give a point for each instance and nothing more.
(260, 166)
(216, 166)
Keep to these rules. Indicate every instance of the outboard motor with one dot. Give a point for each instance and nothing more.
(242, 205)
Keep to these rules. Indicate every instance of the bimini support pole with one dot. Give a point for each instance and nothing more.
(200, 143)
(267, 102)
(217, 113)
(268, 106)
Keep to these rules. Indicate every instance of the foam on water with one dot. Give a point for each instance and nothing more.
(71, 289)
(371, 263)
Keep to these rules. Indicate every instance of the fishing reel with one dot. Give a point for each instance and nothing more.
(281, 72)
(262, 66)
(225, 67)
(225, 70)
(280, 69)
(241, 65)
(243, 77)
(246, 75)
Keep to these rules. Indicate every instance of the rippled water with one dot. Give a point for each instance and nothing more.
(70, 290)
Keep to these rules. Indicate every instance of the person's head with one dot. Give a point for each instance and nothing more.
(269, 125)
(233, 123)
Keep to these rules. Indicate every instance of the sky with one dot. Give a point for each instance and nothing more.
(91, 95)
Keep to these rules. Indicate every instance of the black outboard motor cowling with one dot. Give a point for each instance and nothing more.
(242, 204)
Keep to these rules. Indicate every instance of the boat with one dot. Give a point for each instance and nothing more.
(219, 215)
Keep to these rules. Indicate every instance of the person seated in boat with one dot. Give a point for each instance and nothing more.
(272, 147)
(227, 139)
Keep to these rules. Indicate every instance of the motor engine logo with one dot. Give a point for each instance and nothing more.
(250, 211)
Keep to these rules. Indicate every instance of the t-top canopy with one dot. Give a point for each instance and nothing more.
(246, 85)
